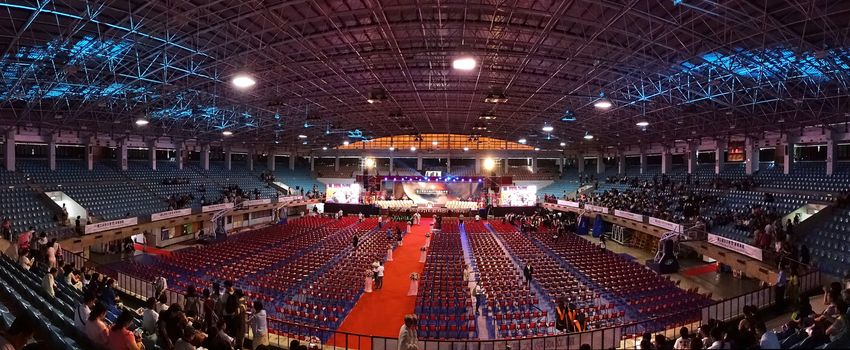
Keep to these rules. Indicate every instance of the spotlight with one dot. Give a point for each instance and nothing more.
(324, 148)
(345, 143)
(464, 63)
(466, 149)
(413, 148)
(548, 128)
(489, 164)
(563, 144)
(642, 124)
(392, 148)
(370, 163)
(142, 121)
(302, 136)
(588, 136)
(522, 141)
(243, 81)
(536, 149)
(434, 143)
(227, 133)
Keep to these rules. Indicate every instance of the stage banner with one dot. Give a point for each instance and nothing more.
(424, 193)
(665, 224)
(343, 193)
(109, 225)
(216, 207)
(628, 215)
(518, 196)
(735, 246)
(568, 203)
(596, 208)
(170, 214)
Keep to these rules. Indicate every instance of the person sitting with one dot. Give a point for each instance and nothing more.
(96, 329)
(120, 337)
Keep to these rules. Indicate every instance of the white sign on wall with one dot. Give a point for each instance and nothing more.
(628, 215)
(256, 202)
(109, 225)
(596, 208)
(568, 203)
(735, 246)
(171, 214)
(665, 224)
(216, 207)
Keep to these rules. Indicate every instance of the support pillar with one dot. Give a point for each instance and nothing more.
(312, 163)
(534, 165)
(270, 163)
(10, 150)
(830, 156)
(122, 158)
(336, 163)
(642, 161)
(250, 159)
(477, 165)
(292, 161)
(666, 161)
(392, 166)
(600, 164)
(419, 163)
(505, 166)
(691, 157)
(205, 157)
(621, 164)
(152, 153)
(51, 153)
(788, 161)
(560, 165)
(719, 156)
(228, 158)
(752, 150)
(448, 165)
(89, 155)
(580, 163)
(180, 148)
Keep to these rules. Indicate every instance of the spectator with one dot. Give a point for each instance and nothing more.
(259, 326)
(192, 304)
(767, 339)
(48, 282)
(107, 294)
(684, 340)
(96, 329)
(646, 341)
(82, 312)
(717, 340)
(19, 333)
(407, 335)
(220, 340)
(150, 316)
(121, 338)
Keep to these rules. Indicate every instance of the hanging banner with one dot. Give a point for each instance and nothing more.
(216, 207)
(665, 224)
(596, 208)
(628, 215)
(735, 246)
(170, 214)
(109, 225)
(254, 202)
(568, 203)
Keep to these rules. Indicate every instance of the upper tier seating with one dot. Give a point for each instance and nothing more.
(22, 206)
(248, 180)
(141, 172)
(829, 244)
(69, 171)
(298, 179)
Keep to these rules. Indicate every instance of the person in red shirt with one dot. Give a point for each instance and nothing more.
(121, 338)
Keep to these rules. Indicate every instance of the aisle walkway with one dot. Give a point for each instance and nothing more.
(381, 313)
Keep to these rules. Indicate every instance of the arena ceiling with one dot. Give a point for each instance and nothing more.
(689, 68)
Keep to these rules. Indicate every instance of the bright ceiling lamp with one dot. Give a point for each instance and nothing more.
(563, 144)
(464, 63)
(434, 143)
(466, 149)
(324, 148)
(243, 81)
(588, 136)
(370, 163)
(548, 128)
(142, 121)
(302, 136)
(392, 148)
(413, 148)
(522, 141)
(642, 124)
(536, 149)
(227, 133)
(345, 143)
(489, 164)
(602, 102)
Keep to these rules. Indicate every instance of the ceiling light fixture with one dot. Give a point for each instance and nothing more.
(536, 149)
(464, 63)
(413, 148)
(548, 128)
(522, 141)
(642, 124)
(466, 149)
(345, 143)
(434, 143)
(602, 102)
(142, 121)
(227, 133)
(392, 148)
(302, 136)
(324, 148)
(563, 144)
(588, 136)
(243, 81)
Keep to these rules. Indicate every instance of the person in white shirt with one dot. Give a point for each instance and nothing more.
(48, 282)
(160, 284)
(684, 340)
(150, 316)
(81, 314)
(717, 340)
(19, 333)
(408, 338)
(259, 326)
(380, 269)
(27, 261)
(768, 339)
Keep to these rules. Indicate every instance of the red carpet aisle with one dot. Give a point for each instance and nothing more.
(381, 313)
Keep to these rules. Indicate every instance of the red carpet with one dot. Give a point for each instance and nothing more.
(150, 250)
(381, 313)
(699, 270)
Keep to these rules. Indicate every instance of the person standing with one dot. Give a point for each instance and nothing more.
(380, 280)
(354, 241)
(259, 326)
(408, 338)
(51, 253)
(48, 282)
(779, 287)
(480, 298)
(160, 284)
(528, 272)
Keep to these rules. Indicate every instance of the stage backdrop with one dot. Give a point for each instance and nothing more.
(436, 193)
(343, 193)
(518, 196)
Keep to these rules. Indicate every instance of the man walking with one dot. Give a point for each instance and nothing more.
(380, 280)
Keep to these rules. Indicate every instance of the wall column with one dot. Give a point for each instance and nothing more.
(270, 163)
(666, 160)
(830, 156)
(751, 148)
(621, 163)
(505, 166)
(580, 163)
(419, 163)
(122, 158)
(205, 157)
(560, 165)
(336, 163)
(719, 156)
(292, 157)
(600, 164)
(228, 158)
(692, 157)
(181, 158)
(312, 163)
(89, 155)
(477, 165)
(152, 153)
(249, 160)
(534, 165)
(448, 165)
(51, 152)
(392, 166)
(642, 161)
(788, 151)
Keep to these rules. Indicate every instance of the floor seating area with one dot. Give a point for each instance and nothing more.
(443, 304)
(510, 301)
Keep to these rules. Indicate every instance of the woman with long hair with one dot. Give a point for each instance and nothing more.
(121, 338)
